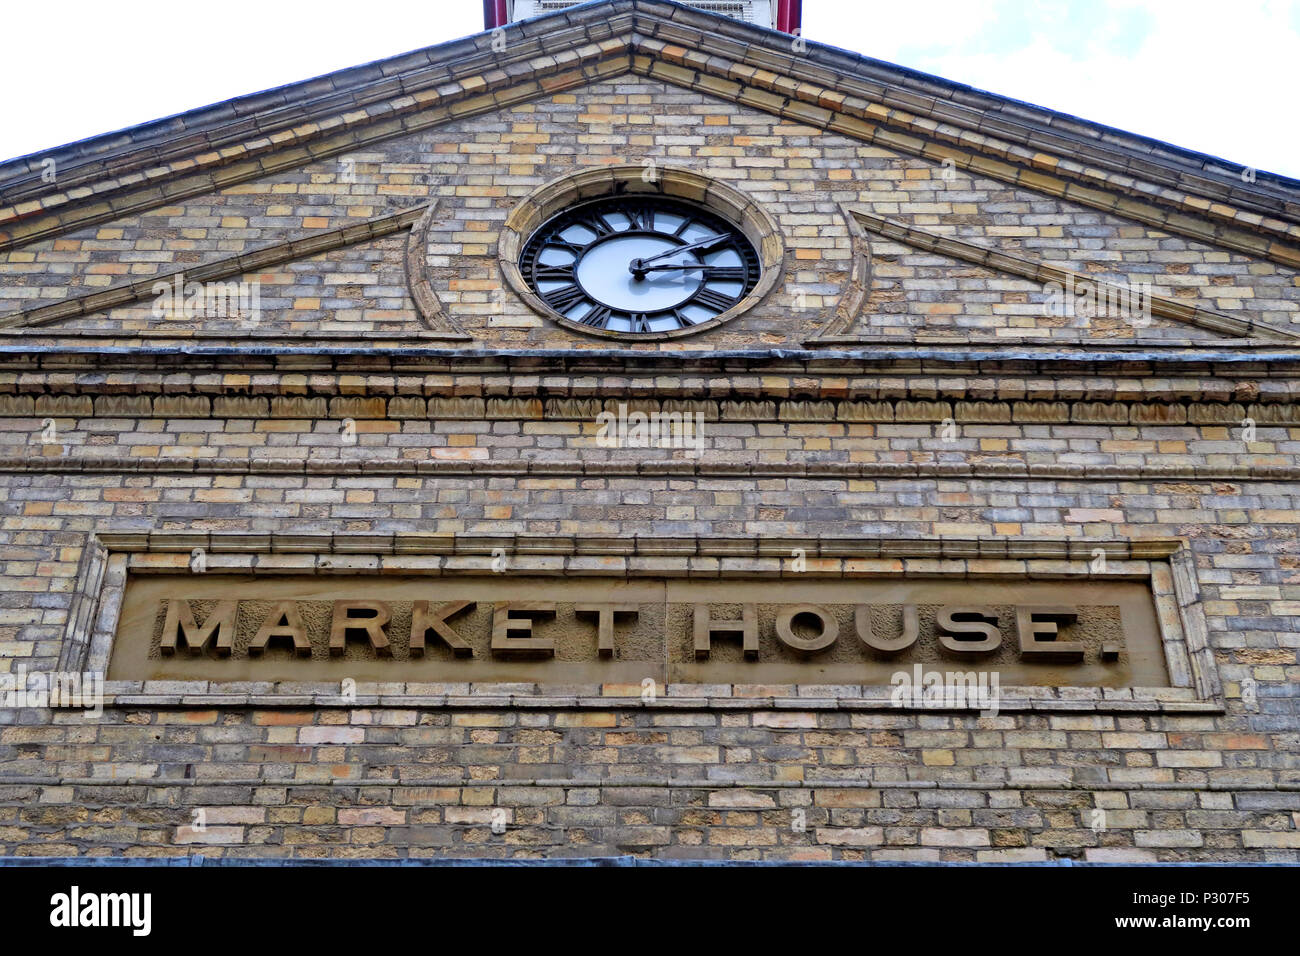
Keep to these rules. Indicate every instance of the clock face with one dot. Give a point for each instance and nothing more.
(638, 265)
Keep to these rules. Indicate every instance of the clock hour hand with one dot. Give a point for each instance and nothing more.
(638, 266)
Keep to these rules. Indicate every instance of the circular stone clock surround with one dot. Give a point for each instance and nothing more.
(757, 225)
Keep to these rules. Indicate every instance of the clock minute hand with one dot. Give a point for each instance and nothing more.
(638, 266)
(703, 266)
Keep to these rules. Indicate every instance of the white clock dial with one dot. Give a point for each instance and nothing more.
(639, 265)
(604, 272)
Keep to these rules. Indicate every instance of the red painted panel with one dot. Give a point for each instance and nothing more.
(495, 14)
(789, 15)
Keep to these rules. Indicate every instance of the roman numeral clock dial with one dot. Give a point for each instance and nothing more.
(639, 266)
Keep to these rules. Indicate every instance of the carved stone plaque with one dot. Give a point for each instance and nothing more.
(590, 629)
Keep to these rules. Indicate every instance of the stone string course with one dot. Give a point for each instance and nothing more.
(815, 383)
(558, 410)
(542, 449)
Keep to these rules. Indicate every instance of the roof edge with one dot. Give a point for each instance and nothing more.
(141, 136)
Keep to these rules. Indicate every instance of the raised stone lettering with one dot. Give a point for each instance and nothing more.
(424, 619)
(366, 616)
(1038, 628)
(283, 621)
(887, 645)
(621, 631)
(954, 623)
(504, 623)
(829, 628)
(706, 627)
(179, 623)
(605, 615)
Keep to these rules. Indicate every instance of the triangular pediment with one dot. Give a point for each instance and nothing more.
(234, 146)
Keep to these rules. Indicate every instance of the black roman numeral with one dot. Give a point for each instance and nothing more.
(640, 217)
(713, 300)
(551, 273)
(598, 317)
(562, 300)
(596, 224)
(726, 272)
(566, 245)
(640, 322)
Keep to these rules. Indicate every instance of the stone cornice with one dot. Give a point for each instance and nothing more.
(620, 376)
(972, 148)
(53, 364)
(999, 470)
(396, 107)
(926, 95)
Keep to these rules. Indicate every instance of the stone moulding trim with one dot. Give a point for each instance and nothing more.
(1056, 339)
(258, 341)
(646, 469)
(85, 599)
(890, 409)
(1054, 549)
(762, 230)
(427, 303)
(850, 108)
(1008, 783)
(220, 269)
(857, 287)
(1036, 270)
(1164, 563)
(906, 369)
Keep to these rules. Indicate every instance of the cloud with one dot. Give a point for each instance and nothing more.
(1199, 74)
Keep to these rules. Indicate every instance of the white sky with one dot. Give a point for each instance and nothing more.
(1219, 77)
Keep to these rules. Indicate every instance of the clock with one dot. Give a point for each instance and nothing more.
(639, 265)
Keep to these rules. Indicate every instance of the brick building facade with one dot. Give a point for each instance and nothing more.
(900, 397)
